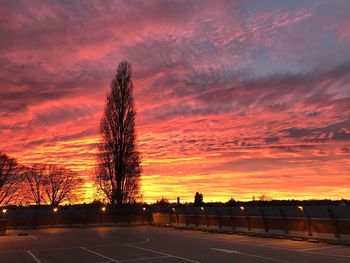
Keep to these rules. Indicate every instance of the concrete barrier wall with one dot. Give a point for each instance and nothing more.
(316, 222)
(75, 216)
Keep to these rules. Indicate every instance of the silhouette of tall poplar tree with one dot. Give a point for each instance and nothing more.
(119, 171)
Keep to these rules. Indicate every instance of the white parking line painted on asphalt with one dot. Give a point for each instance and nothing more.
(141, 259)
(164, 254)
(141, 242)
(33, 256)
(55, 249)
(315, 248)
(224, 250)
(325, 254)
(33, 237)
(112, 245)
(248, 255)
(98, 254)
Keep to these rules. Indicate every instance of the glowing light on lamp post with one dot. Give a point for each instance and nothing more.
(4, 211)
(301, 208)
(55, 210)
(242, 208)
(103, 209)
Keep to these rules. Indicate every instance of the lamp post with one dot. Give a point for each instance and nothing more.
(4, 212)
(143, 215)
(177, 217)
(54, 211)
(3, 222)
(201, 212)
(246, 216)
(103, 210)
(307, 219)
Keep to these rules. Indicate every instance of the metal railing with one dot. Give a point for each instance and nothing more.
(316, 222)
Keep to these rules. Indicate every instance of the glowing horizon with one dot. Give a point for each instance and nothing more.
(233, 99)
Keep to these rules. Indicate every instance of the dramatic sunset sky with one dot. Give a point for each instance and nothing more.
(233, 98)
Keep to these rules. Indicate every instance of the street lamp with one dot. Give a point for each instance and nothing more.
(301, 208)
(4, 211)
(242, 208)
(143, 215)
(103, 210)
(54, 210)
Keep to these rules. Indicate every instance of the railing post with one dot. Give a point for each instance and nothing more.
(207, 220)
(115, 215)
(233, 220)
(248, 222)
(70, 217)
(34, 220)
(266, 224)
(101, 217)
(186, 218)
(15, 218)
(52, 218)
(334, 222)
(177, 217)
(218, 217)
(86, 216)
(285, 221)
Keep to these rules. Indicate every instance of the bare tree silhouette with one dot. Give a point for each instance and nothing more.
(34, 178)
(104, 182)
(10, 179)
(118, 173)
(59, 184)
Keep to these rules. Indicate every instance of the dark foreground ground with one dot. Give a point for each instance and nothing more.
(152, 244)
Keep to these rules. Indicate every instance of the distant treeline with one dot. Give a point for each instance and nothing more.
(198, 201)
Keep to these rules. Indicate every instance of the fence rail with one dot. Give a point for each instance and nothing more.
(329, 223)
(51, 217)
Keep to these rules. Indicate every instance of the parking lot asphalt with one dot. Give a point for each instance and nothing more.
(154, 244)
